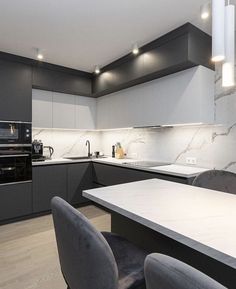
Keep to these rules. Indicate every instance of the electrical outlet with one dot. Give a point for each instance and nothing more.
(191, 161)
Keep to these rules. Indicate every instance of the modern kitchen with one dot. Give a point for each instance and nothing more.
(117, 144)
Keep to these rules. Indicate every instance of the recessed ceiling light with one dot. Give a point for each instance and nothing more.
(97, 69)
(205, 11)
(135, 49)
(39, 55)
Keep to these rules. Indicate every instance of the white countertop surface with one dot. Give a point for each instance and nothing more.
(175, 170)
(180, 169)
(202, 219)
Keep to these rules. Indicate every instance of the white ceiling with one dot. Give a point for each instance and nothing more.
(83, 33)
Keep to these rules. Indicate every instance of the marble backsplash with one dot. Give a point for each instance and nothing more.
(213, 146)
(68, 142)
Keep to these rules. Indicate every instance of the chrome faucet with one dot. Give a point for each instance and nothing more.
(88, 145)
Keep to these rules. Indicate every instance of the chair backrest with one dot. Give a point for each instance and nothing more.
(85, 257)
(217, 180)
(164, 272)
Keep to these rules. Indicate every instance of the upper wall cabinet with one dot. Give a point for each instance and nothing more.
(85, 113)
(180, 49)
(60, 79)
(42, 108)
(16, 91)
(63, 111)
(181, 98)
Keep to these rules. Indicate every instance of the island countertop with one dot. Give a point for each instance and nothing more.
(202, 219)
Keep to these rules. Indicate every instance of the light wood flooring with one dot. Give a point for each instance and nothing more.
(28, 253)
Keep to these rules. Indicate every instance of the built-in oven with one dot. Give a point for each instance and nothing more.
(15, 164)
(15, 132)
(15, 152)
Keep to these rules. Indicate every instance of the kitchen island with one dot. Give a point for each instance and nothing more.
(195, 225)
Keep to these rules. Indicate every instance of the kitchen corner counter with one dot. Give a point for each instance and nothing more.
(172, 169)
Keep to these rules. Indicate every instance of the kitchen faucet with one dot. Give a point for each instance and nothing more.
(88, 144)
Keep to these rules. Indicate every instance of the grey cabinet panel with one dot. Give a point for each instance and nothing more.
(79, 179)
(63, 110)
(16, 91)
(108, 175)
(42, 108)
(48, 181)
(15, 201)
(180, 49)
(60, 81)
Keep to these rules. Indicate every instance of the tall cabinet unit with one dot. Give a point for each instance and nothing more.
(16, 91)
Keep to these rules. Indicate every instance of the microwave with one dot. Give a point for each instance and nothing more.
(15, 133)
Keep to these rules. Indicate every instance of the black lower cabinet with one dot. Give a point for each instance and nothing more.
(79, 179)
(108, 175)
(48, 181)
(16, 200)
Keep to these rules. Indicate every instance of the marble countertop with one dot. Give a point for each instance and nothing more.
(202, 219)
(175, 170)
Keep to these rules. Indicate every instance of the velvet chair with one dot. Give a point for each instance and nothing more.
(93, 260)
(217, 180)
(164, 272)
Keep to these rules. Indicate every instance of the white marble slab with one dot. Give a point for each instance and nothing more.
(180, 170)
(202, 219)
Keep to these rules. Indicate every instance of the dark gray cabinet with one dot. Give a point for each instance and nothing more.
(16, 200)
(16, 91)
(60, 79)
(108, 175)
(79, 179)
(48, 181)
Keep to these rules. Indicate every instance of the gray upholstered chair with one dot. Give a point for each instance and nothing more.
(217, 180)
(93, 260)
(164, 272)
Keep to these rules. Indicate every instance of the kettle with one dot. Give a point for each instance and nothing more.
(50, 152)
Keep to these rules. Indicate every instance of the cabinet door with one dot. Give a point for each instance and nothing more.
(48, 181)
(108, 175)
(112, 175)
(63, 110)
(16, 91)
(42, 108)
(85, 112)
(15, 200)
(79, 179)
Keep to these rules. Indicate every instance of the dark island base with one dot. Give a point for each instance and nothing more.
(153, 241)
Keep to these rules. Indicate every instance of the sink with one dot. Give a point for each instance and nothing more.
(83, 158)
(77, 158)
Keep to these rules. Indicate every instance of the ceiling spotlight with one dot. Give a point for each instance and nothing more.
(97, 69)
(135, 49)
(39, 55)
(205, 11)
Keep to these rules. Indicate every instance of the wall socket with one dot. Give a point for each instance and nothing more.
(191, 161)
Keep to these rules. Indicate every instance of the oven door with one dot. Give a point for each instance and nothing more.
(15, 165)
(15, 133)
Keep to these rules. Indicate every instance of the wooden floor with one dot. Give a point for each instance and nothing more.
(28, 253)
